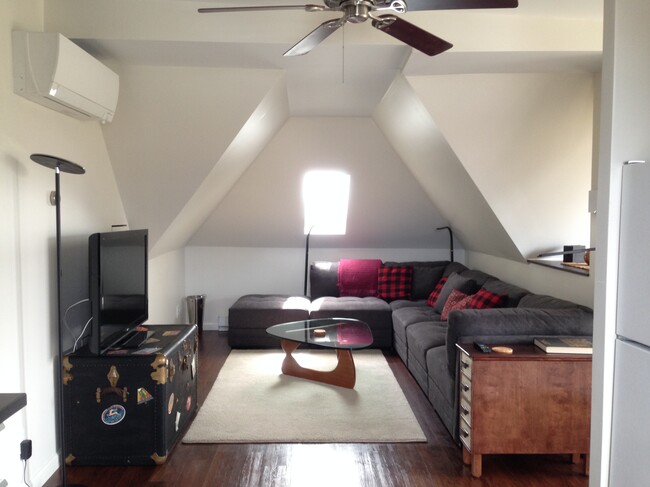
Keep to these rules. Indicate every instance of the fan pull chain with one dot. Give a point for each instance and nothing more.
(343, 55)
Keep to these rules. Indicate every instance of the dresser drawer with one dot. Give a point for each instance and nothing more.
(465, 410)
(465, 434)
(466, 389)
(466, 365)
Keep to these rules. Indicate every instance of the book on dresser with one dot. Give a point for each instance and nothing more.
(565, 344)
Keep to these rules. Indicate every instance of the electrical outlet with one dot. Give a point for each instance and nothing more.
(25, 449)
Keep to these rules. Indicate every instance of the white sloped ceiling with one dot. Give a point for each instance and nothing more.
(199, 158)
(525, 140)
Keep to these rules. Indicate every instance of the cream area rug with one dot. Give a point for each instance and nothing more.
(253, 402)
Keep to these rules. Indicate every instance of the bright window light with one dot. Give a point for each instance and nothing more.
(325, 196)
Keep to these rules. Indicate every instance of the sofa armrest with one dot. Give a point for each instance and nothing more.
(511, 325)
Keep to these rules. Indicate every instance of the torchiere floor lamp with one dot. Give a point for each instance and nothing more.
(59, 165)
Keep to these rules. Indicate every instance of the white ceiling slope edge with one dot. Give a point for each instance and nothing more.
(412, 132)
(171, 127)
(259, 129)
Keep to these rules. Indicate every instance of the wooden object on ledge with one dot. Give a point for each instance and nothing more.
(526, 402)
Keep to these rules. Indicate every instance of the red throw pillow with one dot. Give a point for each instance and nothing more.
(395, 282)
(485, 299)
(433, 297)
(358, 277)
(456, 300)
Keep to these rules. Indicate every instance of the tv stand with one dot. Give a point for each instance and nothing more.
(130, 406)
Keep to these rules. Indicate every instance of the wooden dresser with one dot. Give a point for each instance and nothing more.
(525, 402)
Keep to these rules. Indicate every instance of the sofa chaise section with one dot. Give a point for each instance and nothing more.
(251, 315)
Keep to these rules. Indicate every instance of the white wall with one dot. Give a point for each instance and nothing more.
(224, 274)
(166, 289)
(89, 203)
(537, 279)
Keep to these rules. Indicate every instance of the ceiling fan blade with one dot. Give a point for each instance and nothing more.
(315, 37)
(308, 8)
(413, 5)
(411, 34)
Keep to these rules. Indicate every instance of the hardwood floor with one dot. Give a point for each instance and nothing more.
(437, 463)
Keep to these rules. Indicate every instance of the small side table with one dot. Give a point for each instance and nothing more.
(528, 402)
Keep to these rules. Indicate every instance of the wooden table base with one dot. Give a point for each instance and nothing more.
(343, 375)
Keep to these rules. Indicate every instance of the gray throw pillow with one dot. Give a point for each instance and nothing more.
(454, 281)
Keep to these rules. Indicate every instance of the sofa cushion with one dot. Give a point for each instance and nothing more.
(513, 293)
(543, 301)
(323, 279)
(394, 282)
(407, 303)
(479, 277)
(454, 281)
(358, 277)
(435, 294)
(405, 317)
(456, 300)
(484, 299)
(264, 310)
(251, 315)
(373, 311)
(452, 267)
(421, 337)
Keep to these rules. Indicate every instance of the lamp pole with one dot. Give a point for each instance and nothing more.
(59, 165)
(451, 241)
(307, 260)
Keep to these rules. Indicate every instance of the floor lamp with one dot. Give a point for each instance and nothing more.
(59, 165)
(307, 260)
(451, 242)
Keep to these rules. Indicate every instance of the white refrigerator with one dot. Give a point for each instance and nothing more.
(630, 448)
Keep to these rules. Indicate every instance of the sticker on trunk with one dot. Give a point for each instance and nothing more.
(113, 415)
(144, 396)
(170, 404)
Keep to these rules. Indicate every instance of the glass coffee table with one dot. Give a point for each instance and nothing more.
(341, 334)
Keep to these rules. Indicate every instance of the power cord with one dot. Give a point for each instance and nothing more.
(25, 473)
(74, 347)
(65, 322)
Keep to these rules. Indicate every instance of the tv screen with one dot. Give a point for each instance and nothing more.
(118, 286)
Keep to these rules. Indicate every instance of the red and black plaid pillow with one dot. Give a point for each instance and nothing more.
(485, 299)
(433, 297)
(456, 300)
(395, 282)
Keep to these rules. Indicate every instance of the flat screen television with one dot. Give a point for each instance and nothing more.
(118, 288)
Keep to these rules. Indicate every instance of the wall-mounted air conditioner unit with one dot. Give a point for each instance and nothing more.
(53, 71)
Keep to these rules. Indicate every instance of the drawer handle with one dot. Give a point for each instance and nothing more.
(464, 364)
(464, 432)
(465, 386)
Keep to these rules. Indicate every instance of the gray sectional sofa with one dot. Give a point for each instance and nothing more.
(425, 343)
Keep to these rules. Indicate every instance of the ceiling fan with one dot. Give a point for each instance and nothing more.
(357, 11)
